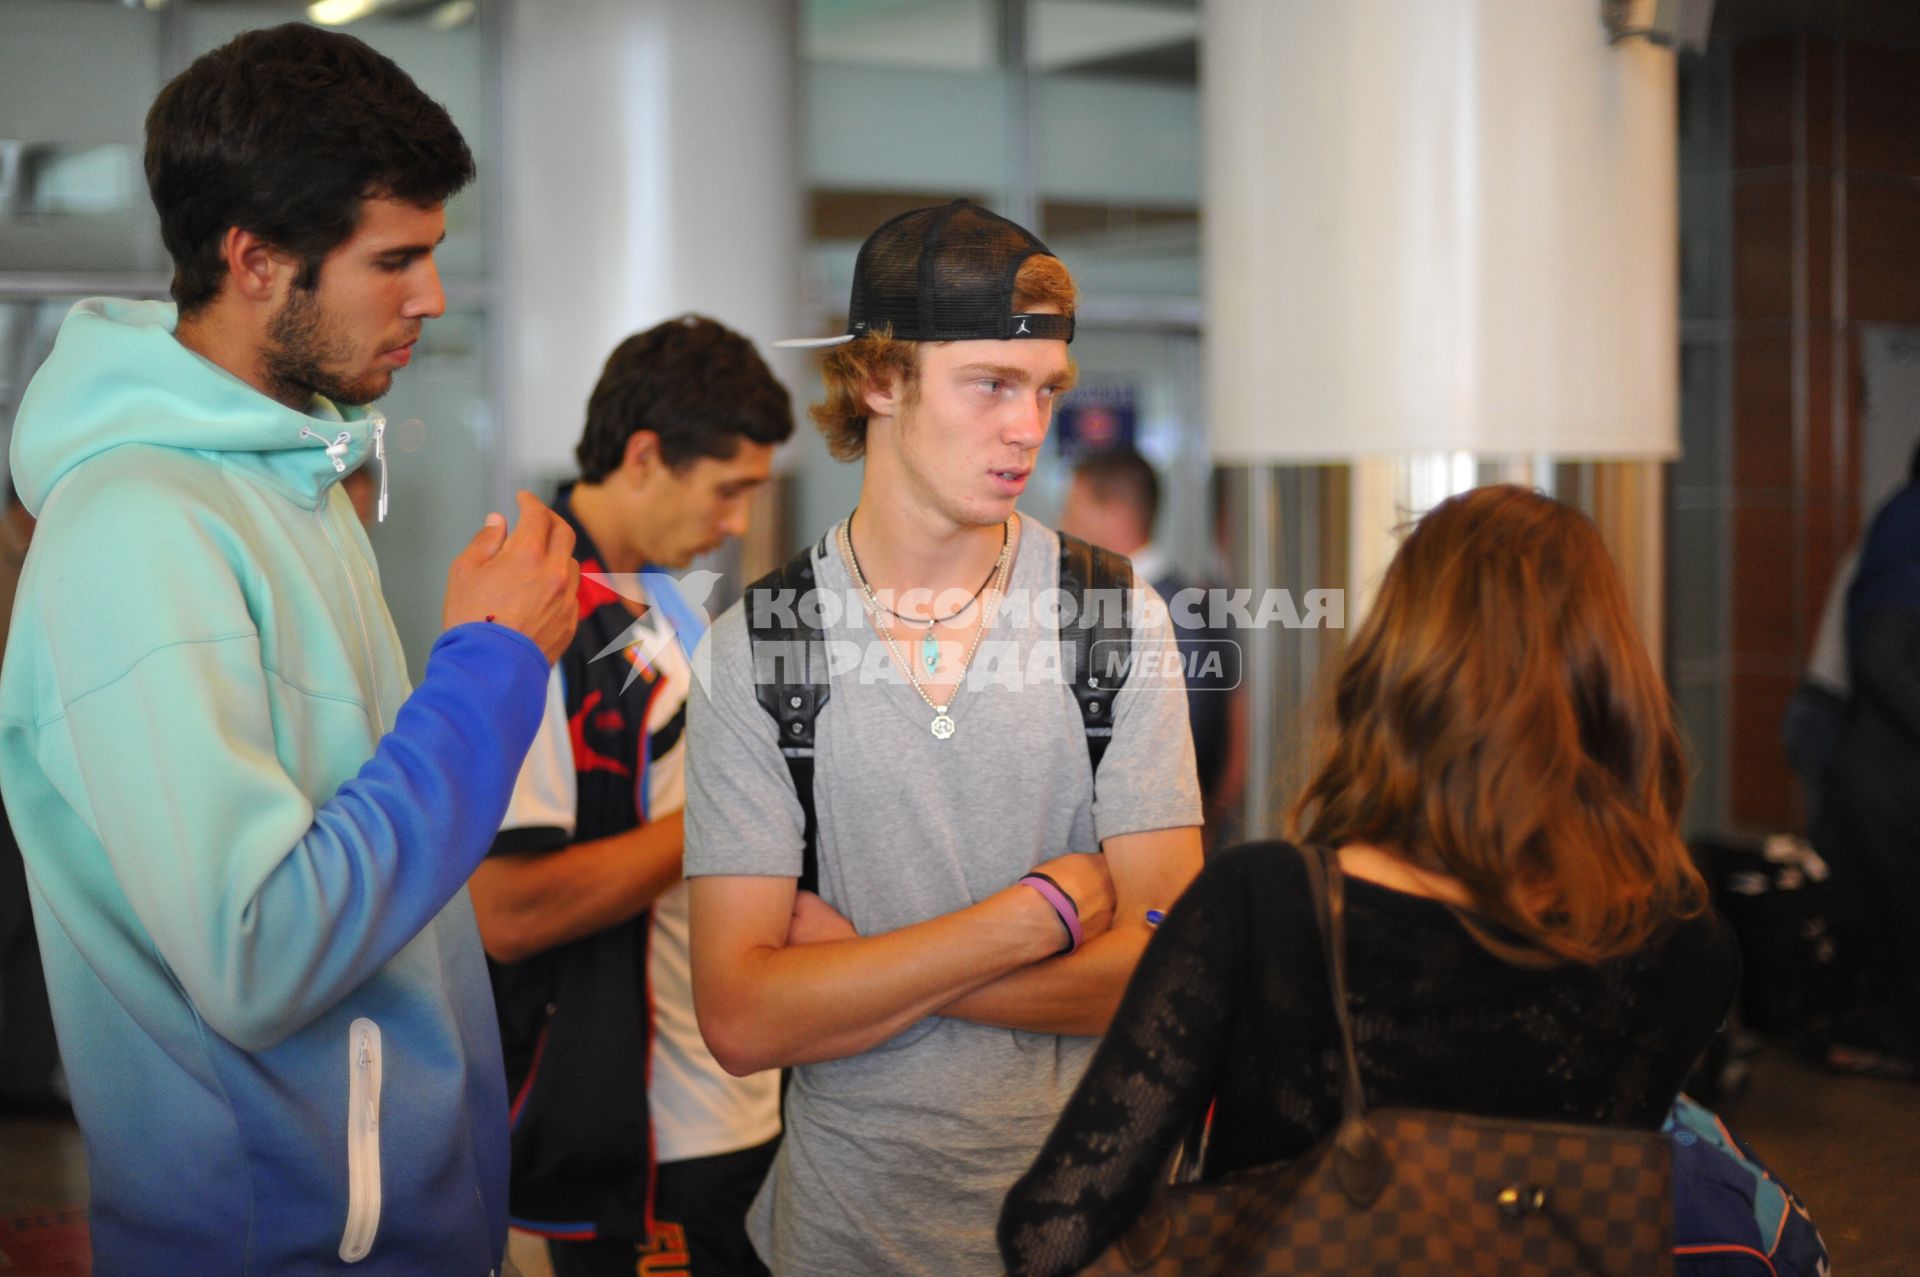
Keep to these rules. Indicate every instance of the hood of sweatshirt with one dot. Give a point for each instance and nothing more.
(118, 376)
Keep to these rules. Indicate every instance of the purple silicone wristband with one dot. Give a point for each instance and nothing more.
(1068, 914)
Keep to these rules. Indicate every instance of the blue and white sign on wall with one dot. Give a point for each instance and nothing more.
(1095, 417)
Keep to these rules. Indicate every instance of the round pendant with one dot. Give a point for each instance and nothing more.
(942, 727)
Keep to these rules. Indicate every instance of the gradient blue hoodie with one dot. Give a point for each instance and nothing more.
(246, 841)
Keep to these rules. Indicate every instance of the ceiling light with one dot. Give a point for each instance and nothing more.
(452, 15)
(337, 13)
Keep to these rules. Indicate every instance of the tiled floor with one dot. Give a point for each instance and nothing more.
(1849, 1147)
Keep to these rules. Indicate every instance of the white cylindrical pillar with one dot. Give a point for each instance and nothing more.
(655, 155)
(1437, 226)
(1437, 232)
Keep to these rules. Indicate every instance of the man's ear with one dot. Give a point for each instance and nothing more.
(884, 395)
(257, 270)
(641, 457)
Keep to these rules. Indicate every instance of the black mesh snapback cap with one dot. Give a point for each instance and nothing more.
(943, 274)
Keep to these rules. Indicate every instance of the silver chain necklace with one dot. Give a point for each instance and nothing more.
(942, 725)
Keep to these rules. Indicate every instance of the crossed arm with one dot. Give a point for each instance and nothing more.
(1077, 993)
(768, 997)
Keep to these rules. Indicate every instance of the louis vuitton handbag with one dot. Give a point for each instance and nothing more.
(1414, 1193)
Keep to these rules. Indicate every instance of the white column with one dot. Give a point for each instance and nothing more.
(1437, 232)
(1437, 226)
(654, 151)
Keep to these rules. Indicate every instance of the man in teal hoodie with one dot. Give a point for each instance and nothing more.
(246, 838)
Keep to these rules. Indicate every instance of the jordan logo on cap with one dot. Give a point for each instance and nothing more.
(1022, 328)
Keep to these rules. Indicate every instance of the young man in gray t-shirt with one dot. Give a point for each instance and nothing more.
(938, 998)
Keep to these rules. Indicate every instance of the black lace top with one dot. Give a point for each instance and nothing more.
(1231, 1001)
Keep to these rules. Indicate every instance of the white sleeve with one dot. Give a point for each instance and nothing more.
(541, 814)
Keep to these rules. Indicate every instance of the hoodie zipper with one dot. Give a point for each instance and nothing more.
(360, 618)
(363, 1140)
(380, 459)
(337, 453)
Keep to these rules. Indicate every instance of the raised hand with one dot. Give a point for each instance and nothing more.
(525, 579)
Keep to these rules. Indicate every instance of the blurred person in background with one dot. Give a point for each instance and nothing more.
(1817, 715)
(1527, 936)
(1114, 501)
(1870, 800)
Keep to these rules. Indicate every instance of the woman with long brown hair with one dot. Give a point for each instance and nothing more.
(1527, 937)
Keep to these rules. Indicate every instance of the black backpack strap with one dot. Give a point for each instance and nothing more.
(790, 680)
(1095, 645)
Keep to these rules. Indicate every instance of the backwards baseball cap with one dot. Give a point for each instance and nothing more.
(943, 274)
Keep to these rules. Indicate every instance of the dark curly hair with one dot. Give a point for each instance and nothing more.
(283, 132)
(695, 383)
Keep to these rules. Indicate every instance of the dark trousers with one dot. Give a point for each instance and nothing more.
(29, 1057)
(1870, 826)
(700, 1224)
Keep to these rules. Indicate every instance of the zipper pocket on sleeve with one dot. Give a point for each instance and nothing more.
(363, 1140)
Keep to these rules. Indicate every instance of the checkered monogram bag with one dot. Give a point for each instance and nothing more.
(1414, 1193)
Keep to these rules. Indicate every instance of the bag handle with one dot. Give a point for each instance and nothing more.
(1360, 1159)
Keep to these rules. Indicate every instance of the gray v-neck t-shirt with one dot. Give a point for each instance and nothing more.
(896, 1160)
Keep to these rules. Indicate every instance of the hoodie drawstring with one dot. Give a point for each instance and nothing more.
(336, 450)
(337, 453)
